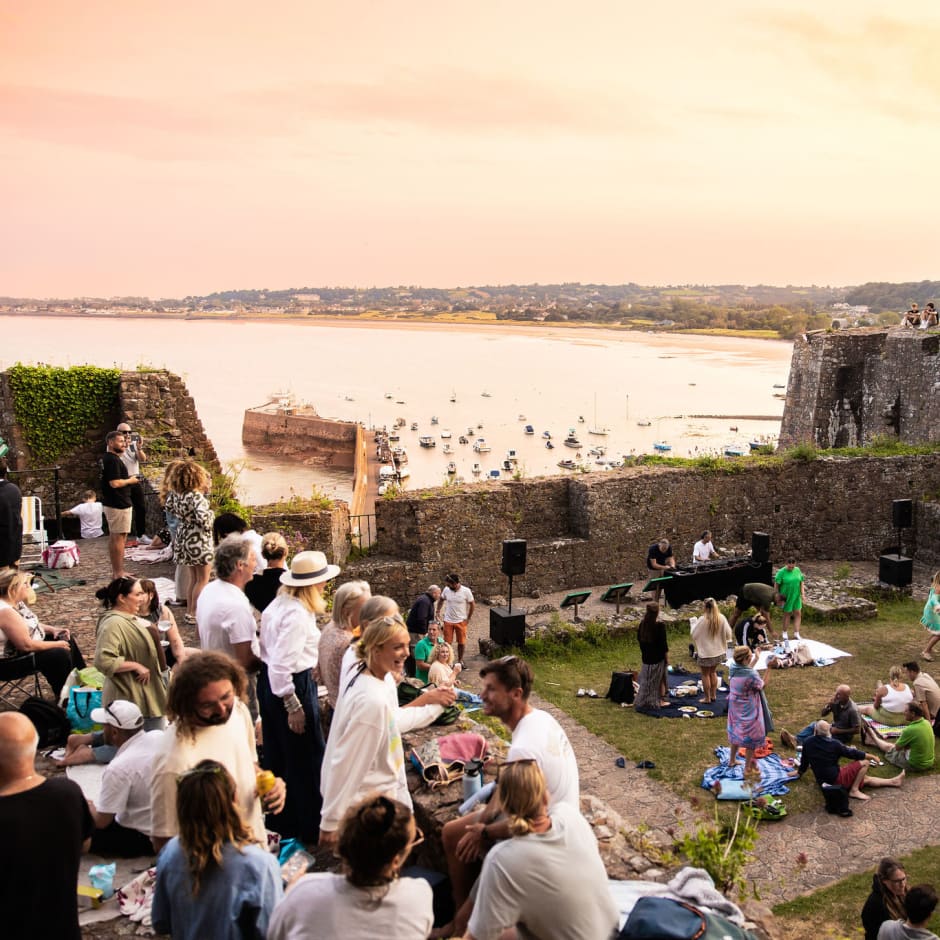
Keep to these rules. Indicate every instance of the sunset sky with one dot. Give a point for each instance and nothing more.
(177, 148)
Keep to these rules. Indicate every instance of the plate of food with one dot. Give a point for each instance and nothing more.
(687, 708)
(704, 713)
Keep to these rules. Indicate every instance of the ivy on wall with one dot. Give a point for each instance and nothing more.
(55, 407)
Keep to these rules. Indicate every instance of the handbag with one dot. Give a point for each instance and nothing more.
(61, 554)
(621, 688)
(82, 701)
(441, 761)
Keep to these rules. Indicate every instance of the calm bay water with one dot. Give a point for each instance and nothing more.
(551, 377)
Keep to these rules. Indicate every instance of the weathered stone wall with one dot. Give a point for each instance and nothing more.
(849, 387)
(927, 515)
(596, 528)
(326, 531)
(320, 441)
(156, 404)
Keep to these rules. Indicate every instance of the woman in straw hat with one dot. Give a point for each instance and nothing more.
(287, 691)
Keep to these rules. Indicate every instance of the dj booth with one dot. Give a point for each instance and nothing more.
(715, 579)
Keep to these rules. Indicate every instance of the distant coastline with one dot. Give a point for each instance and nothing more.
(406, 320)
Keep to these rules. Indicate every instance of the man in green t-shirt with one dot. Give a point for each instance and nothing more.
(914, 749)
(423, 650)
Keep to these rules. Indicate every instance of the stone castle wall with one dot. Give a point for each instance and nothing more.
(596, 528)
(849, 387)
(156, 404)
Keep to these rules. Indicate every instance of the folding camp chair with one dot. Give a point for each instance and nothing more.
(19, 679)
(34, 532)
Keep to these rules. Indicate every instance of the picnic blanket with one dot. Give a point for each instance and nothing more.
(774, 772)
(718, 708)
(886, 731)
(50, 580)
(148, 555)
(822, 653)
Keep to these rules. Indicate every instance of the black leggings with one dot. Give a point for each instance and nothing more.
(56, 664)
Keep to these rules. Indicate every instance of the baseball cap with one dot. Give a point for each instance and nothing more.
(120, 714)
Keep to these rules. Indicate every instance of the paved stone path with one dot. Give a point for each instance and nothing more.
(891, 823)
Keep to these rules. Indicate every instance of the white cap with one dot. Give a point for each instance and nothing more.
(119, 714)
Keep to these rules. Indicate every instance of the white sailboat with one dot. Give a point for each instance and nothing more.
(596, 428)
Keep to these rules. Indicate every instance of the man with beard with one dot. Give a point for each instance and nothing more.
(209, 721)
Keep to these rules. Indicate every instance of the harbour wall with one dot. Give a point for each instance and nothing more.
(319, 442)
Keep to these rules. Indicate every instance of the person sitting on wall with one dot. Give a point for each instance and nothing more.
(930, 316)
(912, 317)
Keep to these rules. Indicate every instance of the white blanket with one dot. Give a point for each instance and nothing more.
(818, 650)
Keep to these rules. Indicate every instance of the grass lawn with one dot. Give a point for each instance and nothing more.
(683, 748)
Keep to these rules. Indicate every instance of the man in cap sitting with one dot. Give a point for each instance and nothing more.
(122, 810)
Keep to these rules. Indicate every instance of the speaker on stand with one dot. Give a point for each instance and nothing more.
(508, 628)
(895, 568)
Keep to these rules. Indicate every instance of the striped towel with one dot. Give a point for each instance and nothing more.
(773, 773)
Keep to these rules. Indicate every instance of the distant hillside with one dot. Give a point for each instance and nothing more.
(880, 295)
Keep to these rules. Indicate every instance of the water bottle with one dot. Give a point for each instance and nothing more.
(786, 642)
(472, 778)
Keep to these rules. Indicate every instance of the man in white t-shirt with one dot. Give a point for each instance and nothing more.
(209, 722)
(703, 550)
(224, 616)
(89, 514)
(536, 735)
(456, 603)
(122, 810)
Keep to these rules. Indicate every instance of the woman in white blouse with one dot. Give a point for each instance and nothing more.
(287, 692)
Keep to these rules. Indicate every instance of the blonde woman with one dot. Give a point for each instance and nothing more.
(287, 692)
(931, 617)
(712, 636)
(364, 753)
(890, 700)
(443, 673)
(53, 649)
(348, 601)
(213, 879)
(549, 875)
(263, 587)
(192, 543)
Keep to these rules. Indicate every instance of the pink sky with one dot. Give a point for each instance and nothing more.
(180, 148)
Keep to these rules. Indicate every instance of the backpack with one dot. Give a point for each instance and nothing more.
(621, 688)
(50, 721)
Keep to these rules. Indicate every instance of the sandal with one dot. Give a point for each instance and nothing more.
(189, 620)
(927, 656)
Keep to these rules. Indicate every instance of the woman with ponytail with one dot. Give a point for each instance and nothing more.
(549, 874)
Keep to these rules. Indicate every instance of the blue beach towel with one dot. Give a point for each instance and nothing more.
(773, 773)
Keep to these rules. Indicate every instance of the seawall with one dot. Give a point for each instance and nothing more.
(317, 441)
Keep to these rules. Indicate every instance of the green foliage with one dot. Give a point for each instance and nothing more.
(55, 407)
(317, 501)
(804, 453)
(842, 571)
(223, 497)
(722, 847)
(563, 642)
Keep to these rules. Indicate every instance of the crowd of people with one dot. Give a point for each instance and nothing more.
(184, 775)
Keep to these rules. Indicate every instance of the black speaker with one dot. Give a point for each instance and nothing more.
(895, 570)
(513, 557)
(902, 513)
(507, 629)
(760, 547)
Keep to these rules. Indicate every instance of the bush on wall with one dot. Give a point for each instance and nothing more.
(55, 407)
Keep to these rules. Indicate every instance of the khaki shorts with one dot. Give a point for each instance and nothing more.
(119, 520)
(459, 628)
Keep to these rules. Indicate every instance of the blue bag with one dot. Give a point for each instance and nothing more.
(82, 702)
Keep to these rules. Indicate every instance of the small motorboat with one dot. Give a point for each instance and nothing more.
(451, 467)
(414, 425)
(547, 435)
(779, 385)
(400, 401)
(448, 449)
(597, 451)
(567, 464)
(644, 423)
(349, 398)
(445, 434)
(523, 418)
(494, 474)
(757, 445)
(512, 456)
(394, 437)
(481, 447)
(507, 466)
(453, 395)
(427, 441)
(471, 430)
(476, 469)
(529, 429)
(549, 445)
(580, 419)
(572, 441)
(434, 419)
(662, 446)
(463, 440)
(733, 427)
(734, 450)
(486, 394)
(399, 455)
(388, 394)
